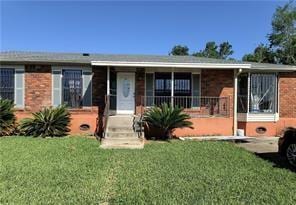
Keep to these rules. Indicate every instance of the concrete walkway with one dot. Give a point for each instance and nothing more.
(260, 144)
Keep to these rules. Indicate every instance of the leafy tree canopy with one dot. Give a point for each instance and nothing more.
(283, 36)
(212, 50)
(180, 50)
(261, 54)
(282, 40)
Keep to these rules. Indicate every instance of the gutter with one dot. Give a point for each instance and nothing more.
(170, 65)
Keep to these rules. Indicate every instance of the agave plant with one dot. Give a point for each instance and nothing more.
(7, 117)
(166, 119)
(48, 122)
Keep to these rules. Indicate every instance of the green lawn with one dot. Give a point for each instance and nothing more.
(76, 171)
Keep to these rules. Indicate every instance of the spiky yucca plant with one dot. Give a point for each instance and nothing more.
(7, 117)
(166, 119)
(49, 122)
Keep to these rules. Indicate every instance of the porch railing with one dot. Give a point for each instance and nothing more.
(195, 106)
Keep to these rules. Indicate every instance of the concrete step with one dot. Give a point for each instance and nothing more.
(119, 129)
(134, 143)
(121, 134)
(118, 120)
(122, 146)
(122, 140)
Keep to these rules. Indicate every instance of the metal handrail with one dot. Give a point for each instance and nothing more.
(200, 106)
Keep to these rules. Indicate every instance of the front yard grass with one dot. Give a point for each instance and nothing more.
(75, 170)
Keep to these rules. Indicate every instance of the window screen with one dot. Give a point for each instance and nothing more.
(195, 90)
(7, 83)
(182, 84)
(72, 88)
(263, 93)
(163, 84)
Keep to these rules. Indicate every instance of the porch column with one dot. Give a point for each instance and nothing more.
(108, 80)
(172, 89)
(235, 74)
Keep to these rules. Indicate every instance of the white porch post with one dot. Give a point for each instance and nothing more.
(236, 74)
(108, 80)
(172, 89)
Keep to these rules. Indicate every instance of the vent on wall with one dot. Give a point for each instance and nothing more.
(261, 130)
(84, 127)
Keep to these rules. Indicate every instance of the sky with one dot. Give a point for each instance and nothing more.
(133, 27)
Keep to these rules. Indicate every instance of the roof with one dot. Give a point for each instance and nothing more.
(115, 59)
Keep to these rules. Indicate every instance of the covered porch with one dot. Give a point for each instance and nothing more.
(132, 90)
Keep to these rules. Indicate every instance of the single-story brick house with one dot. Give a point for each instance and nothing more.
(220, 95)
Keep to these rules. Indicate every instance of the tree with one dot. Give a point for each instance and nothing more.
(283, 36)
(211, 50)
(261, 54)
(180, 50)
(282, 40)
(225, 50)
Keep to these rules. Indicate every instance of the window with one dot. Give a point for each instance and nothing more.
(163, 84)
(7, 83)
(263, 93)
(182, 84)
(72, 88)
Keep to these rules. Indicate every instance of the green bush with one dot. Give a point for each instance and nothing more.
(165, 119)
(7, 117)
(48, 122)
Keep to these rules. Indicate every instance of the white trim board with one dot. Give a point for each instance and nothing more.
(247, 66)
(169, 65)
(257, 117)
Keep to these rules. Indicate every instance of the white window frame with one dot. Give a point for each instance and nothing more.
(260, 117)
(17, 68)
(60, 69)
(153, 70)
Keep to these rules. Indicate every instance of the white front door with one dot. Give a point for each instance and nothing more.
(125, 93)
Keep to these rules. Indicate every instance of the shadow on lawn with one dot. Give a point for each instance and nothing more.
(277, 160)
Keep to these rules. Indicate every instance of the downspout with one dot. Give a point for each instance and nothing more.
(236, 74)
(108, 80)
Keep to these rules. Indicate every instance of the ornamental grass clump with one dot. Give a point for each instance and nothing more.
(165, 119)
(49, 122)
(7, 117)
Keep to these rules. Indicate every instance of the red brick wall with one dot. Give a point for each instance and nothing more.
(140, 88)
(287, 95)
(37, 87)
(218, 83)
(38, 91)
(99, 86)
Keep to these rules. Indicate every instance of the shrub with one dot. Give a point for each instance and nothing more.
(48, 122)
(165, 119)
(7, 117)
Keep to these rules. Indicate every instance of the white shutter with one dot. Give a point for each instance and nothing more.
(56, 86)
